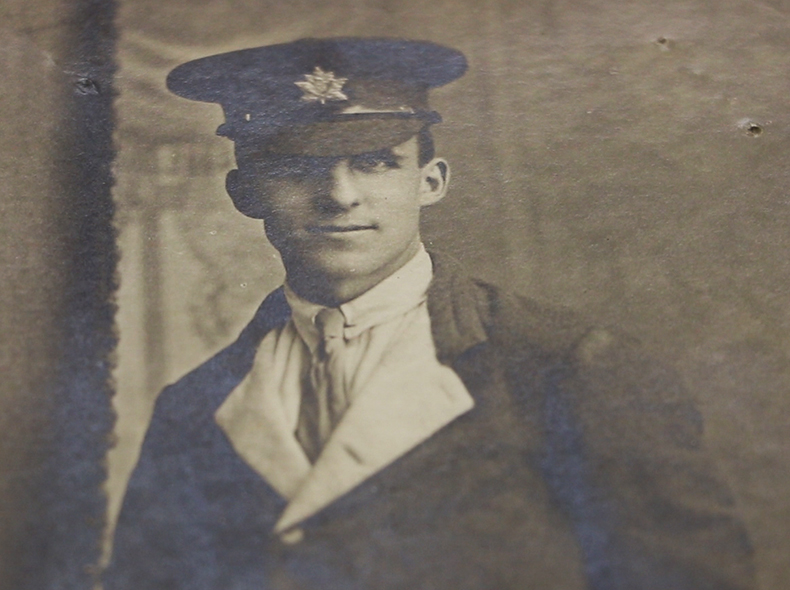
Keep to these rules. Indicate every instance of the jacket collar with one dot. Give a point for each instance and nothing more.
(458, 308)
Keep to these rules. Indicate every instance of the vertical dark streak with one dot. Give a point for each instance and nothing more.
(82, 419)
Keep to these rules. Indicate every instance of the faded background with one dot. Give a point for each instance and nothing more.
(628, 159)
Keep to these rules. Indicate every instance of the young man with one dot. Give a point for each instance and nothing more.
(385, 422)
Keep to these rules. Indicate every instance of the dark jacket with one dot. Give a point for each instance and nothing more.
(580, 466)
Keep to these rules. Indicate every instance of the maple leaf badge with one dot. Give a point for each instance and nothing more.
(321, 86)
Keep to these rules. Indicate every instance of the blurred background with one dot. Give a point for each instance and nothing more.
(627, 159)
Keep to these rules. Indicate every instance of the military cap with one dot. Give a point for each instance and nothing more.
(322, 97)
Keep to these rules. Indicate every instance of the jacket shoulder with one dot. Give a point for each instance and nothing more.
(466, 311)
(624, 450)
(515, 321)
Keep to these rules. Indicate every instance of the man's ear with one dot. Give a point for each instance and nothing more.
(434, 181)
(245, 200)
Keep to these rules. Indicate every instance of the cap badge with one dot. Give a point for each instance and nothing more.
(321, 86)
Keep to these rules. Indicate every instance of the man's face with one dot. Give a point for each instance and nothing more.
(344, 218)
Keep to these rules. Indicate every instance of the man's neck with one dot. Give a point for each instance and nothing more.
(333, 291)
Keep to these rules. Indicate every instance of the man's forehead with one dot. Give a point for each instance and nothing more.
(323, 97)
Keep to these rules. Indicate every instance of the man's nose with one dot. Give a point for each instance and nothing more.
(339, 191)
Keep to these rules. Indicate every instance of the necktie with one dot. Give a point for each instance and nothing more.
(324, 395)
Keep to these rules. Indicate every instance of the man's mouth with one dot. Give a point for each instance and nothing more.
(339, 229)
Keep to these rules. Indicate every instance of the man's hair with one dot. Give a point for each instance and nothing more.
(426, 149)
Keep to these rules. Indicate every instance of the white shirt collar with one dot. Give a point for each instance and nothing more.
(400, 292)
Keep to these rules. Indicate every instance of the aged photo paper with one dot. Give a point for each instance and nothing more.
(619, 161)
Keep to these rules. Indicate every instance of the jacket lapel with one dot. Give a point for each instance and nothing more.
(405, 402)
(252, 415)
(253, 418)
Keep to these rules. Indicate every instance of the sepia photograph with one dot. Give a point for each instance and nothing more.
(392, 295)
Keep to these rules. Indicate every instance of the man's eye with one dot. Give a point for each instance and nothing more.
(295, 167)
(375, 162)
